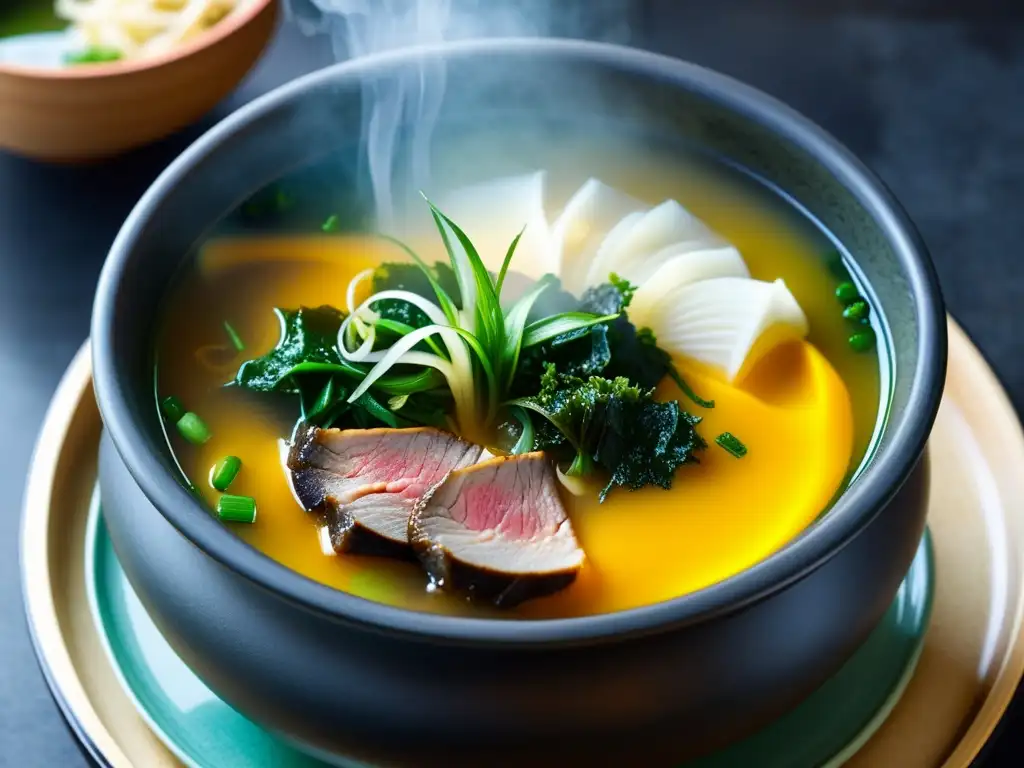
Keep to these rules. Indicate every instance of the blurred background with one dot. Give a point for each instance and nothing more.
(929, 93)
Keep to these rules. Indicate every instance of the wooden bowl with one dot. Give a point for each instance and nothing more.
(83, 113)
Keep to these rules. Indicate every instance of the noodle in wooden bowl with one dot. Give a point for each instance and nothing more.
(144, 69)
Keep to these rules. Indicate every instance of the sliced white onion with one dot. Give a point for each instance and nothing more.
(461, 384)
(614, 241)
(582, 226)
(493, 212)
(460, 361)
(668, 270)
(629, 246)
(363, 351)
(353, 285)
(728, 322)
(429, 308)
(401, 352)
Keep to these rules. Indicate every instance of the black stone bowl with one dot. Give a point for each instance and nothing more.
(345, 678)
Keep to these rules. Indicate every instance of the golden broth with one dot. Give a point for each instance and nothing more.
(805, 429)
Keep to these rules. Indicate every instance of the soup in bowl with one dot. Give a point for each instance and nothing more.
(610, 441)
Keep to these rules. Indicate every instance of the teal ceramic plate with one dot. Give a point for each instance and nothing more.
(201, 730)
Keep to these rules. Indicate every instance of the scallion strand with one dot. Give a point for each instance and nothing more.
(236, 340)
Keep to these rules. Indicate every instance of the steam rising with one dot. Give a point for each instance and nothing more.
(399, 114)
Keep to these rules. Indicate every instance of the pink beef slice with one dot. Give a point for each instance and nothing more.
(365, 481)
(497, 532)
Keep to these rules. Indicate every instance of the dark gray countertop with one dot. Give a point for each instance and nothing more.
(932, 100)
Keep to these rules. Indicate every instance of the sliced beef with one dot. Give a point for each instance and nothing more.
(365, 481)
(497, 531)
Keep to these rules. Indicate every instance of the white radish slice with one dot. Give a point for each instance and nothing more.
(643, 270)
(619, 234)
(582, 226)
(659, 227)
(728, 322)
(670, 269)
(493, 212)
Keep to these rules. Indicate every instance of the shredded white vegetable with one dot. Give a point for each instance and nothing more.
(141, 28)
(459, 372)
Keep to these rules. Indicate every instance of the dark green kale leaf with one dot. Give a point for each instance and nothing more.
(636, 354)
(654, 355)
(306, 362)
(609, 350)
(614, 425)
(585, 352)
(308, 344)
(401, 276)
(633, 354)
(581, 353)
(644, 443)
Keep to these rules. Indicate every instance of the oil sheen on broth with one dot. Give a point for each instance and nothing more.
(806, 413)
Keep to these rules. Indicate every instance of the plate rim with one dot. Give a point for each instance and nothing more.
(92, 529)
(37, 587)
(863, 736)
(64, 680)
(1007, 681)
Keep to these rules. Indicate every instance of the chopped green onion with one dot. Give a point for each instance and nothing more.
(862, 341)
(236, 509)
(331, 224)
(172, 408)
(858, 310)
(97, 54)
(396, 402)
(224, 472)
(193, 428)
(847, 293)
(236, 340)
(732, 444)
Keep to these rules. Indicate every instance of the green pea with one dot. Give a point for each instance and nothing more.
(858, 310)
(862, 341)
(847, 293)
